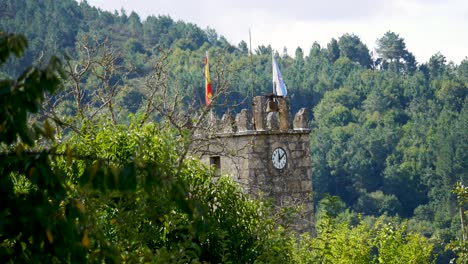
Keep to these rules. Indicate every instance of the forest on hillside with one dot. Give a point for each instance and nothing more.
(94, 139)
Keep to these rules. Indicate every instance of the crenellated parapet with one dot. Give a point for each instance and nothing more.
(260, 120)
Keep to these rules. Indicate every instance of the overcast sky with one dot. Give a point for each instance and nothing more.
(427, 26)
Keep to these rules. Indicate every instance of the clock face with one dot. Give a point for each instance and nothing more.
(279, 158)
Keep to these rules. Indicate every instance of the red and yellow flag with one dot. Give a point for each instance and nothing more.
(208, 89)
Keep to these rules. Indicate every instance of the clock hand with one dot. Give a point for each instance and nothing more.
(281, 157)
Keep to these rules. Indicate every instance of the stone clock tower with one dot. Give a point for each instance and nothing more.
(269, 156)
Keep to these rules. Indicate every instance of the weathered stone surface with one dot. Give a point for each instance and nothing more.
(283, 104)
(277, 189)
(256, 164)
(294, 186)
(272, 121)
(261, 178)
(213, 120)
(259, 114)
(228, 123)
(297, 154)
(301, 121)
(297, 195)
(306, 186)
(292, 146)
(243, 121)
(276, 180)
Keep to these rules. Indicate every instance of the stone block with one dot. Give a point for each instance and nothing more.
(256, 164)
(278, 189)
(261, 178)
(294, 186)
(297, 195)
(306, 186)
(297, 154)
(292, 146)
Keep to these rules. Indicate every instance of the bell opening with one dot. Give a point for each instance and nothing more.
(272, 105)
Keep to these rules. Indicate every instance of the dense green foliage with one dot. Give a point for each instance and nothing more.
(389, 134)
(114, 193)
(36, 212)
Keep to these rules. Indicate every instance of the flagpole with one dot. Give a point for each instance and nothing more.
(251, 66)
(211, 115)
(273, 70)
(251, 79)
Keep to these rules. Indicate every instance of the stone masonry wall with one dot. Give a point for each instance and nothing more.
(246, 155)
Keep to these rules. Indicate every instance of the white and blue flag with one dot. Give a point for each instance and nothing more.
(279, 87)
